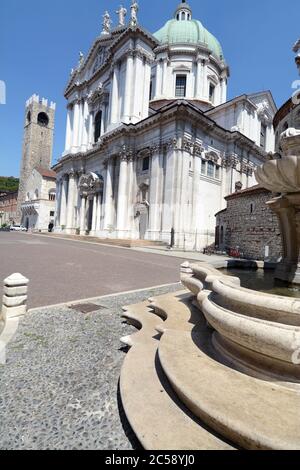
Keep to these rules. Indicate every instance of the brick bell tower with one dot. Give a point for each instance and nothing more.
(37, 142)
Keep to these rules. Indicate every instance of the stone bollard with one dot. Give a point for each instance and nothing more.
(15, 296)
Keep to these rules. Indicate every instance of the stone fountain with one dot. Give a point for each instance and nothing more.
(282, 177)
(217, 366)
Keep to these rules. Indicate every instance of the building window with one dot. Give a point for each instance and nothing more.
(217, 175)
(51, 197)
(210, 170)
(146, 164)
(52, 214)
(251, 208)
(203, 167)
(98, 123)
(180, 91)
(212, 89)
(263, 135)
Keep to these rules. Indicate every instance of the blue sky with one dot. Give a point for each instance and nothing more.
(40, 42)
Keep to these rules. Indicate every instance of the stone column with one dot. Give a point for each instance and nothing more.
(108, 196)
(122, 197)
(91, 130)
(138, 89)
(75, 141)
(147, 81)
(83, 215)
(155, 197)
(71, 202)
(223, 90)
(58, 204)
(128, 88)
(205, 90)
(165, 77)
(114, 102)
(99, 213)
(63, 210)
(198, 94)
(94, 218)
(196, 199)
(158, 80)
(68, 144)
(84, 125)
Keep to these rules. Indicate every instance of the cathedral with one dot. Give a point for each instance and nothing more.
(153, 146)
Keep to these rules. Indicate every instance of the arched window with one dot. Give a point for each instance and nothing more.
(36, 194)
(183, 15)
(28, 117)
(43, 119)
(98, 123)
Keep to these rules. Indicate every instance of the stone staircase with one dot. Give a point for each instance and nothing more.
(182, 389)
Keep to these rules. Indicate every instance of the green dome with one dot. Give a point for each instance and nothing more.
(189, 32)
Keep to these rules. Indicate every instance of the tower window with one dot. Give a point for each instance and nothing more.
(28, 117)
(183, 16)
(98, 123)
(212, 89)
(180, 91)
(43, 119)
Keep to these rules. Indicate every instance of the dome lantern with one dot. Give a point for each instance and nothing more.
(183, 12)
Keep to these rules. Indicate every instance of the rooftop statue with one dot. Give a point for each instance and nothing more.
(122, 12)
(106, 23)
(134, 11)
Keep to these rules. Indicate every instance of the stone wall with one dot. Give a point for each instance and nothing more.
(249, 225)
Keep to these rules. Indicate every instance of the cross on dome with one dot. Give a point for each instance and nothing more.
(183, 12)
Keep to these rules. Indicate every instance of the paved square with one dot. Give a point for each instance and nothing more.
(65, 270)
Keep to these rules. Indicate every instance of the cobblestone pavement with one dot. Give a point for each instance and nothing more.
(59, 388)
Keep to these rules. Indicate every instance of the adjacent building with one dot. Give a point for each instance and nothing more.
(37, 189)
(249, 226)
(8, 207)
(152, 144)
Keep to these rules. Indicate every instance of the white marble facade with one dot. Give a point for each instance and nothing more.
(152, 143)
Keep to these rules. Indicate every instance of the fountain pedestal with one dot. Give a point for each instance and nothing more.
(287, 209)
(283, 176)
